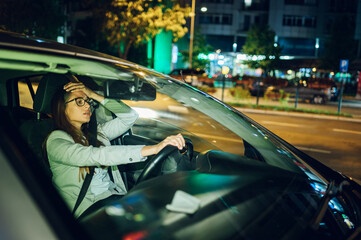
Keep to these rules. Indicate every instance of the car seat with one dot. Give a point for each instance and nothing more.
(35, 131)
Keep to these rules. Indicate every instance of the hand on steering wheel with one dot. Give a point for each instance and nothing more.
(154, 167)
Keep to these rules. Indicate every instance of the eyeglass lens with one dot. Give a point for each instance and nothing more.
(80, 102)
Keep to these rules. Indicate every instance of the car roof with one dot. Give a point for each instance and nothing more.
(25, 42)
(36, 54)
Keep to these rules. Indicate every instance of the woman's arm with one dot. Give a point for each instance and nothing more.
(61, 148)
(112, 129)
(125, 118)
(174, 140)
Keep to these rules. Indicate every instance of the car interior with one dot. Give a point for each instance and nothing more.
(34, 124)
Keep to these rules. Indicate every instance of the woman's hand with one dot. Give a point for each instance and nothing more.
(173, 140)
(79, 86)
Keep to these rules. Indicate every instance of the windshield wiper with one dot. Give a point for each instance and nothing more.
(332, 191)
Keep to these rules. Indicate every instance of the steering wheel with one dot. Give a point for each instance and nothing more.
(154, 166)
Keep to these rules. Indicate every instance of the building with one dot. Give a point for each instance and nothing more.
(301, 26)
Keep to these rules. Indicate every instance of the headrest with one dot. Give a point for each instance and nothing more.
(46, 90)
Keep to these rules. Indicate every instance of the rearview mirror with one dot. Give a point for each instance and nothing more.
(129, 90)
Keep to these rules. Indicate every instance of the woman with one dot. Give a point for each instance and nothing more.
(70, 155)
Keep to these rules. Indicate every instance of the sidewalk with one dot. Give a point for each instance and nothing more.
(349, 106)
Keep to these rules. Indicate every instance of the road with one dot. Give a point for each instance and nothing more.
(335, 143)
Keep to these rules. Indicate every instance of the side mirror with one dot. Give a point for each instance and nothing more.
(129, 90)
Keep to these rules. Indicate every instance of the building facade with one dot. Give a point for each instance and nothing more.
(301, 26)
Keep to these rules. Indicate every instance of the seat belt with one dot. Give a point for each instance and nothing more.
(89, 176)
(84, 188)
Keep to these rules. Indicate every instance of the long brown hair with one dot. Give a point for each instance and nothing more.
(62, 123)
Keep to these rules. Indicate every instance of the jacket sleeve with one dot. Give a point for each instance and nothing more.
(61, 148)
(125, 119)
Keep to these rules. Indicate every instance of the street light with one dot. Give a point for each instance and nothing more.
(192, 33)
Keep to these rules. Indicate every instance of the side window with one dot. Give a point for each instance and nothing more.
(27, 89)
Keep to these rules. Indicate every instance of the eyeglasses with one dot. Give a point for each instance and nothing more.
(81, 101)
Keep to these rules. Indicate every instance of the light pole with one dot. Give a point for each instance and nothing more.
(192, 33)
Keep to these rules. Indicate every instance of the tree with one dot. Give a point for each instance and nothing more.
(200, 46)
(135, 22)
(42, 18)
(261, 48)
(340, 44)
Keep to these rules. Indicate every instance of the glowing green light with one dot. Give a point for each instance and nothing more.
(202, 56)
(163, 52)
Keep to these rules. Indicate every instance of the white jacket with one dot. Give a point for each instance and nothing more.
(65, 156)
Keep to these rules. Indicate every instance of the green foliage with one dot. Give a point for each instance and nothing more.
(41, 18)
(135, 22)
(240, 93)
(260, 42)
(284, 97)
(199, 46)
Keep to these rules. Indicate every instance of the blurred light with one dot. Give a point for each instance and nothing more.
(115, 210)
(174, 54)
(204, 9)
(146, 113)
(317, 44)
(332, 73)
(289, 71)
(241, 56)
(221, 57)
(225, 70)
(211, 56)
(136, 235)
(202, 56)
(60, 39)
(275, 44)
(286, 57)
(258, 71)
(194, 100)
(314, 69)
(247, 3)
(218, 51)
(220, 62)
(234, 47)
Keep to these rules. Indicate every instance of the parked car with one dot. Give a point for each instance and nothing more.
(194, 77)
(314, 93)
(258, 87)
(244, 182)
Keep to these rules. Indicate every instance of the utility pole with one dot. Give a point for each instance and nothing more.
(192, 33)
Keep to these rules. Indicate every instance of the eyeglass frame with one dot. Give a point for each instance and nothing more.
(88, 100)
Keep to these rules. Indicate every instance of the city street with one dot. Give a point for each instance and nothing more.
(335, 143)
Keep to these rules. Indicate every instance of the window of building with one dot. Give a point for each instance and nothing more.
(302, 2)
(205, 19)
(299, 21)
(227, 19)
(260, 5)
(217, 1)
(247, 22)
(209, 18)
(310, 22)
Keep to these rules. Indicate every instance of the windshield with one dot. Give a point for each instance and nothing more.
(208, 122)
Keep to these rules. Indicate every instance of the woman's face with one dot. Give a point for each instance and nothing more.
(77, 115)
